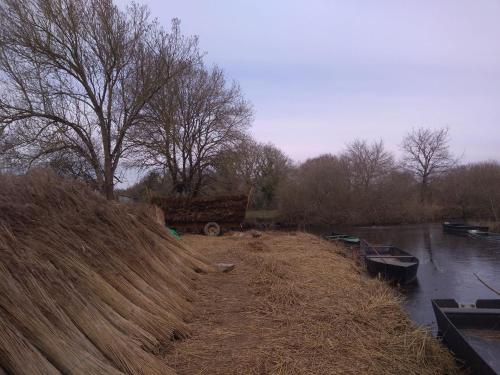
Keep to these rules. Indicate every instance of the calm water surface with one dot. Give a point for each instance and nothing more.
(447, 265)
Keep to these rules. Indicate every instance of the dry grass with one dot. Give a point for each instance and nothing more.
(87, 286)
(296, 304)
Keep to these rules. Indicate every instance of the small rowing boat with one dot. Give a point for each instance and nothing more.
(461, 228)
(471, 332)
(346, 238)
(390, 262)
(487, 236)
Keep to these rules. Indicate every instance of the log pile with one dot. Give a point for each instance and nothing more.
(221, 209)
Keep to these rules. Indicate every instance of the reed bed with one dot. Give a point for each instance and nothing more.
(87, 286)
(296, 304)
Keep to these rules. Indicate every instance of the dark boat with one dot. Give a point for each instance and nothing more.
(346, 238)
(461, 228)
(392, 263)
(472, 332)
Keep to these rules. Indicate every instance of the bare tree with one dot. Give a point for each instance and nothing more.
(239, 168)
(317, 192)
(426, 154)
(253, 167)
(189, 125)
(367, 163)
(75, 76)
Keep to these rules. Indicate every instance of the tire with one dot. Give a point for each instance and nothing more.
(211, 229)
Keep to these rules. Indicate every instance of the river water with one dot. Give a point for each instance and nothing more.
(447, 265)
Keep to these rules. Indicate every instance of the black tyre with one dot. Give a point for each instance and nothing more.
(211, 229)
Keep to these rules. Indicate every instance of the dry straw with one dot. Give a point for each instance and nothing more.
(296, 304)
(87, 286)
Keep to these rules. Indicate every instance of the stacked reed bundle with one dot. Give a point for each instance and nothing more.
(87, 286)
(222, 209)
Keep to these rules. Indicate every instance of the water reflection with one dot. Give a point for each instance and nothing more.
(447, 265)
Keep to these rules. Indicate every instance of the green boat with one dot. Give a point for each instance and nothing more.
(346, 238)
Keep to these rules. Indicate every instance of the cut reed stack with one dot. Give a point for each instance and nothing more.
(222, 209)
(87, 286)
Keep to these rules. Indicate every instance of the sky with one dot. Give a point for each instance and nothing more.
(321, 73)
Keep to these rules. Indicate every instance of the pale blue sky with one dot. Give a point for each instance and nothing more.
(320, 73)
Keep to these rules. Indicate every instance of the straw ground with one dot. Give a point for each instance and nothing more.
(296, 304)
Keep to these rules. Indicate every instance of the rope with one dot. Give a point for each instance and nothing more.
(486, 285)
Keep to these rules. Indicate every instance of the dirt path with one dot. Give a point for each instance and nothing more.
(295, 304)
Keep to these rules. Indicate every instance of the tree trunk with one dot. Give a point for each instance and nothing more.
(423, 190)
(109, 184)
(109, 188)
(109, 173)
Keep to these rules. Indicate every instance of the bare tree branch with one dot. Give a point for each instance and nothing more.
(426, 154)
(81, 72)
(188, 125)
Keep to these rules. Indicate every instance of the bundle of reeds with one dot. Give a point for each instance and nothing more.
(87, 286)
(221, 209)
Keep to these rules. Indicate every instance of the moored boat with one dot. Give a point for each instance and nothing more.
(390, 262)
(346, 238)
(488, 236)
(462, 228)
(471, 332)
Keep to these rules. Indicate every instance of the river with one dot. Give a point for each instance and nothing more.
(447, 265)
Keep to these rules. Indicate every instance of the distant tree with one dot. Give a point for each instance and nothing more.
(485, 180)
(472, 190)
(454, 191)
(255, 168)
(189, 125)
(240, 167)
(273, 167)
(317, 192)
(150, 184)
(367, 163)
(427, 154)
(76, 75)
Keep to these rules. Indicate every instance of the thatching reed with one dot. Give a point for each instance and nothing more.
(296, 304)
(222, 209)
(87, 286)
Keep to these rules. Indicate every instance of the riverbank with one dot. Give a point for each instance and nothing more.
(297, 304)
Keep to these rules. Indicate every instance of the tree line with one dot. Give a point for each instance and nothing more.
(365, 184)
(91, 90)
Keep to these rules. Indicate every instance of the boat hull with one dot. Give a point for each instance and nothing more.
(400, 274)
(390, 262)
(479, 349)
(346, 238)
(487, 236)
(463, 228)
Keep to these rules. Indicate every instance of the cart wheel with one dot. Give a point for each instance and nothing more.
(211, 229)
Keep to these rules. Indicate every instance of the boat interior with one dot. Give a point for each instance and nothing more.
(480, 326)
